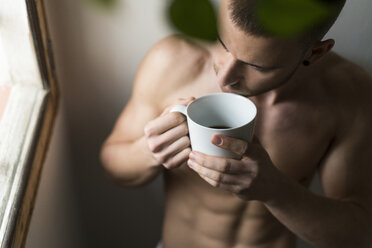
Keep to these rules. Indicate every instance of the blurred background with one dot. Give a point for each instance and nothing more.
(97, 52)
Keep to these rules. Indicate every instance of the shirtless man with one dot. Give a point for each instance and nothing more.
(313, 116)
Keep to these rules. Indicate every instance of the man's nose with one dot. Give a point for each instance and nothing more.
(229, 73)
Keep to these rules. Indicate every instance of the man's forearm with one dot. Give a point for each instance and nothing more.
(130, 163)
(321, 221)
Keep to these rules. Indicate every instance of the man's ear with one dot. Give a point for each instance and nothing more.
(319, 49)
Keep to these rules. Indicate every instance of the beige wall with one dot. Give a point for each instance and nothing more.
(353, 33)
(97, 53)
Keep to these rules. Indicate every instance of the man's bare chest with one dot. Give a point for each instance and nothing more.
(296, 137)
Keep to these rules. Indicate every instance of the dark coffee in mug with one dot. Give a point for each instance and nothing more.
(220, 127)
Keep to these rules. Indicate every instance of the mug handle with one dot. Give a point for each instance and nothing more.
(180, 109)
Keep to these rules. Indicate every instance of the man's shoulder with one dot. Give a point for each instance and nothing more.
(347, 79)
(171, 64)
(349, 87)
(176, 57)
(176, 47)
(342, 68)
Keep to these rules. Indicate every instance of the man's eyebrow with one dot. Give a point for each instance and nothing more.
(247, 63)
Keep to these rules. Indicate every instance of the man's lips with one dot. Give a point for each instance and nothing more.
(242, 93)
(229, 90)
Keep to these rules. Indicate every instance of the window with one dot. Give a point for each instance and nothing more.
(27, 110)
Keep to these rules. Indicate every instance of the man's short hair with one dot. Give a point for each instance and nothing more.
(244, 14)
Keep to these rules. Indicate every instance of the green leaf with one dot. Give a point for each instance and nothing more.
(195, 18)
(291, 17)
(107, 4)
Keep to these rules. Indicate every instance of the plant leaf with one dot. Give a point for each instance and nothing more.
(291, 17)
(108, 4)
(195, 18)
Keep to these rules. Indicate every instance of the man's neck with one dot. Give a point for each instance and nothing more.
(289, 90)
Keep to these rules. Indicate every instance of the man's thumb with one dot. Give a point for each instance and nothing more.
(185, 101)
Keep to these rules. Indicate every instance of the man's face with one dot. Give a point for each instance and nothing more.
(249, 65)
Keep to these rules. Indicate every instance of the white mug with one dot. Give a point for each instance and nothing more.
(219, 113)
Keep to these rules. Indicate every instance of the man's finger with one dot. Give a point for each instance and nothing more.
(186, 101)
(219, 177)
(229, 166)
(229, 187)
(181, 101)
(237, 146)
(163, 124)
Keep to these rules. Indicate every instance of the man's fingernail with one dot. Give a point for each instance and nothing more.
(192, 156)
(217, 140)
(190, 163)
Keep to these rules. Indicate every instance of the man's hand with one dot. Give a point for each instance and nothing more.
(167, 137)
(249, 177)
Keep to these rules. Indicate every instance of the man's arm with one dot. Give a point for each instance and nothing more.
(128, 154)
(344, 217)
